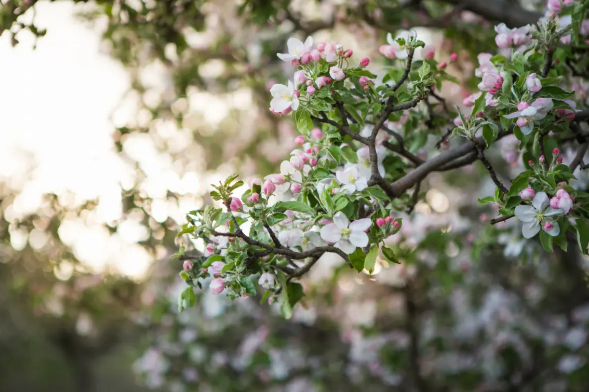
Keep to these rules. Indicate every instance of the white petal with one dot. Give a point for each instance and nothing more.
(340, 220)
(295, 237)
(294, 46)
(295, 102)
(359, 239)
(401, 54)
(278, 90)
(530, 229)
(346, 246)
(555, 228)
(513, 115)
(541, 201)
(331, 233)
(285, 56)
(529, 111)
(390, 39)
(341, 177)
(360, 225)
(286, 168)
(348, 189)
(528, 128)
(308, 44)
(291, 88)
(361, 183)
(553, 212)
(525, 213)
(279, 104)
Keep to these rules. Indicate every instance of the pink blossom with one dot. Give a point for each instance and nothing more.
(453, 57)
(187, 265)
(388, 219)
(522, 106)
(209, 250)
(299, 77)
(295, 62)
(554, 6)
(254, 181)
(336, 73)
(235, 204)
(217, 286)
(548, 226)
(216, 268)
(565, 203)
(311, 90)
(555, 151)
(321, 47)
(348, 53)
(364, 62)
(458, 121)
(321, 81)
(527, 194)
(300, 140)
(566, 40)
(305, 58)
(387, 51)
(313, 162)
(277, 179)
(503, 41)
(521, 36)
(295, 188)
(469, 101)
(489, 81)
(253, 198)
(428, 52)
(396, 224)
(315, 55)
(297, 162)
(316, 133)
(380, 222)
(554, 203)
(562, 193)
(522, 122)
(559, 160)
(363, 81)
(268, 188)
(443, 65)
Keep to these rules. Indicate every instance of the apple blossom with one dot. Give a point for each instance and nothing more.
(316, 133)
(315, 55)
(216, 268)
(364, 62)
(300, 140)
(295, 188)
(266, 280)
(296, 49)
(268, 188)
(534, 84)
(504, 37)
(469, 101)
(453, 57)
(235, 204)
(489, 81)
(363, 80)
(345, 235)
(313, 162)
(351, 179)
(428, 52)
(299, 77)
(538, 214)
(443, 65)
(565, 203)
(305, 58)
(554, 6)
(380, 222)
(536, 111)
(311, 240)
(527, 194)
(522, 106)
(284, 97)
(554, 202)
(217, 286)
(291, 238)
(311, 90)
(187, 265)
(348, 53)
(330, 52)
(321, 81)
(253, 198)
(336, 73)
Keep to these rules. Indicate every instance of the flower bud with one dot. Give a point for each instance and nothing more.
(313, 162)
(321, 81)
(187, 265)
(503, 41)
(555, 151)
(363, 81)
(348, 53)
(527, 194)
(548, 226)
(305, 58)
(295, 188)
(453, 57)
(339, 49)
(297, 162)
(380, 222)
(235, 204)
(277, 179)
(328, 80)
(364, 62)
(309, 83)
(311, 90)
(493, 91)
(316, 133)
(541, 159)
(295, 62)
(458, 121)
(522, 106)
(321, 47)
(480, 115)
(554, 202)
(268, 188)
(522, 122)
(299, 77)
(531, 163)
(533, 83)
(366, 88)
(562, 193)
(217, 286)
(388, 219)
(253, 198)
(443, 65)
(300, 140)
(428, 52)
(314, 150)
(396, 224)
(315, 55)
(559, 160)
(297, 93)
(216, 268)
(287, 110)
(565, 203)
(209, 250)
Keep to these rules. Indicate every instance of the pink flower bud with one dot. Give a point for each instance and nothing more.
(364, 62)
(453, 57)
(428, 52)
(531, 163)
(217, 286)
(305, 58)
(287, 110)
(492, 91)
(527, 194)
(562, 193)
(297, 162)
(321, 47)
(388, 219)
(295, 62)
(522, 106)
(277, 179)
(209, 250)
(387, 51)
(363, 81)
(235, 204)
(299, 77)
(268, 188)
(559, 160)
(443, 65)
(480, 115)
(216, 268)
(396, 224)
(313, 162)
(311, 90)
(304, 158)
(380, 222)
(339, 49)
(522, 122)
(295, 188)
(300, 140)
(253, 198)
(309, 83)
(297, 93)
(566, 40)
(314, 150)
(534, 84)
(565, 203)
(316, 133)
(555, 151)
(187, 265)
(348, 53)
(315, 55)
(321, 81)
(554, 202)
(548, 226)
(541, 159)
(503, 41)
(328, 80)
(366, 88)
(458, 121)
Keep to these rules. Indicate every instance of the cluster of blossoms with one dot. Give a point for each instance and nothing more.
(345, 183)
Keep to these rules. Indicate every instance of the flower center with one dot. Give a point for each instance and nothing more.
(346, 233)
(305, 240)
(351, 179)
(287, 97)
(539, 215)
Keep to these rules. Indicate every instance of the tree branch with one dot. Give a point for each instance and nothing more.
(508, 12)
(488, 166)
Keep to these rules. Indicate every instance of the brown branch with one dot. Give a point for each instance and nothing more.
(401, 151)
(460, 162)
(343, 129)
(579, 157)
(489, 167)
(547, 62)
(414, 198)
(272, 235)
(444, 138)
(501, 219)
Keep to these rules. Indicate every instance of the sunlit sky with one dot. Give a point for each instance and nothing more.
(55, 108)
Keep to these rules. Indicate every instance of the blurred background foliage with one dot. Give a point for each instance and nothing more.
(460, 313)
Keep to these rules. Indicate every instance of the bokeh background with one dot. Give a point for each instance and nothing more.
(114, 119)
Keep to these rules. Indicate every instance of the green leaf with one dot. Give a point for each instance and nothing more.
(553, 92)
(357, 259)
(546, 240)
(227, 267)
(211, 260)
(512, 202)
(490, 134)
(349, 154)
(389, 255)
(370, 259)
(304, 122)
(295, 206)
(358, 72)
(186, 230)
(341, 203)
(247, 286)
(582, 234)
(486, 200)
(295, 293)
(265, 297)
(377, 193)
(354, 113)
(519, 184)
(184, 275)
(498, 59)
(336, 153)
(479, 105)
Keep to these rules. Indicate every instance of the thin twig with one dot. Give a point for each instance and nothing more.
(501, 219)
(489, 167)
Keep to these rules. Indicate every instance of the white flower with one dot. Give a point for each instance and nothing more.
(291, 238)
(400, 51)
(538, 214)
(266, 280)
(296, 49)
(290, 174)
(351, 179)
(346, 236)
(312, 240)
(485, 65)
(536, 111)
(284, 97)
(363, 155)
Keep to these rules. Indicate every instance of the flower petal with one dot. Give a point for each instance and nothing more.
(331, 233)
(285, 56)
(513, 115)
(525, 213)
(390, 39)
(528, 128)
(553, 212)
(346, 246)
(340, 220)
(360, 225)
(295, 237)
(541, 201)
(295, 47)
(359, 239)
(295, 102)
(555, 228)
(279, 104)
(530, 229)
